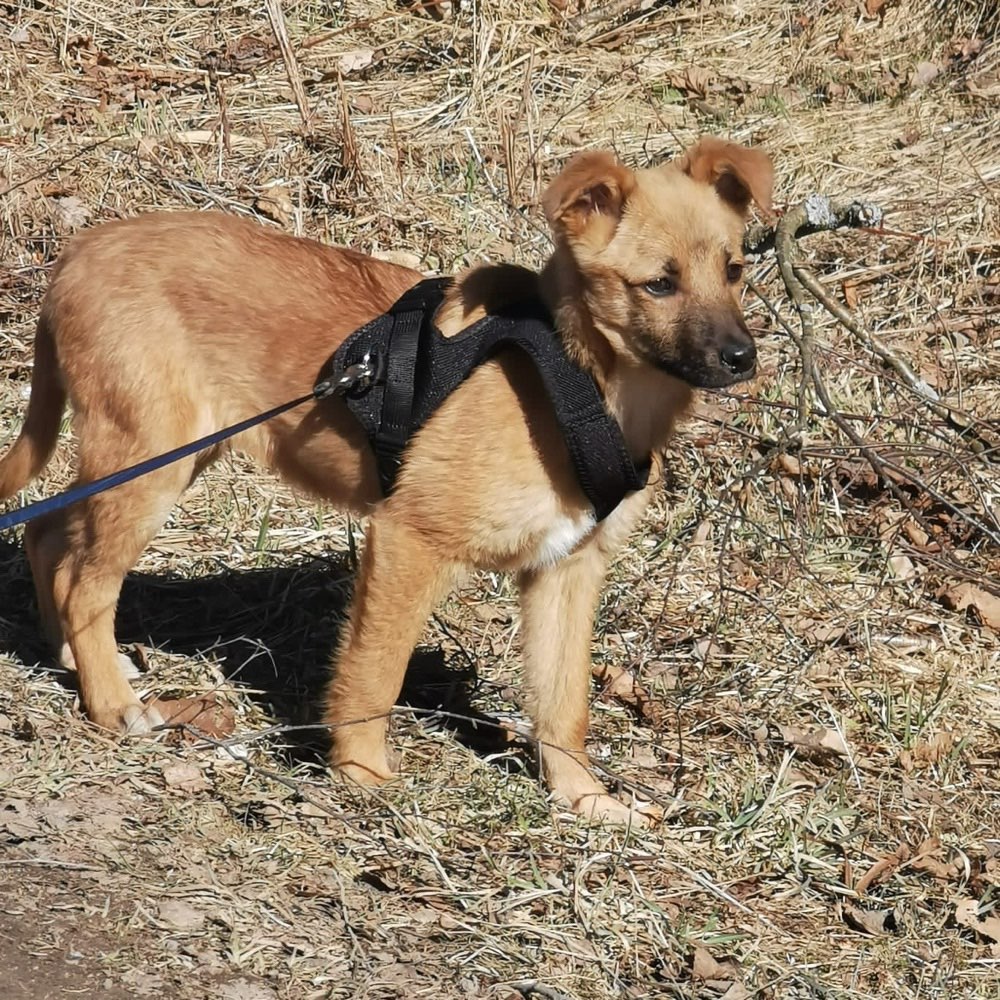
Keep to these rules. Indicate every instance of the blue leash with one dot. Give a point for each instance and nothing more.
(356, 375)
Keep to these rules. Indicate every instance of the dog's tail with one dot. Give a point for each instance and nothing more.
(37, 440)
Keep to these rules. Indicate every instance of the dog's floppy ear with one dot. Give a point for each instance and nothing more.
(739, 174)
(590, 192)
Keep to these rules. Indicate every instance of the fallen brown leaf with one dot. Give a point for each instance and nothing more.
(904, 568)
(622, 685)
(984, 85)
(276, 203)
(181, 916)
(245, 989)
(705, 967)
(206, 714)
(991, 871)
(967, 915)
(358, 59)
(882, 869)
(69, 213)
(17, 822)
(820, 744)
(693, 80)
(867, 921)
(717, 975)
(934, 750)
(736, 992)
(924, 73)
(925, 860)
(819, 632)
(966, 49)
(967, 595)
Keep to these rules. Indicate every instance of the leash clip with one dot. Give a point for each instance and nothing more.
(353, 378)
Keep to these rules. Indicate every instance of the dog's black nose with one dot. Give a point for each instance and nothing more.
(739, 357)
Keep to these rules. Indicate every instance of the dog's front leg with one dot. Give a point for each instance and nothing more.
(558, 604)
(558, 607)
(401, 581)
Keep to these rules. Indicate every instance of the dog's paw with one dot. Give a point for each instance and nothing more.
(599, 807)
(366, 776)
(128, 717)
(140, 720)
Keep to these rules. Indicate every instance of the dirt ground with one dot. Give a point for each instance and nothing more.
(801, 653)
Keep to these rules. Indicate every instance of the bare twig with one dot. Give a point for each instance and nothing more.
(606, 13)
(533, 988)
(815, 214)
(818, 214)
(957, 419)
(59, 164)
(277, 19)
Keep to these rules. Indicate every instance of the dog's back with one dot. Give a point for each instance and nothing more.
(227, 316)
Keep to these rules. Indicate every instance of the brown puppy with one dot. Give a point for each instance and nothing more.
(163, 328)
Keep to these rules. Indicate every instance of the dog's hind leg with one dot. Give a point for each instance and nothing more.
(401, 581)
(82, 557)
(44, 543)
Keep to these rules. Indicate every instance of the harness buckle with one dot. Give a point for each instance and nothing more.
(358, 376)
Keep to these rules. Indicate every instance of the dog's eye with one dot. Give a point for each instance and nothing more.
(661, 286)
(734, 271)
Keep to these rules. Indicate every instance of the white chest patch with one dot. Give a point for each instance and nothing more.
(563, 535)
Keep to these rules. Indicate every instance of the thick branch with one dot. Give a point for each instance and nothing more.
(806, 218)
(818, 214)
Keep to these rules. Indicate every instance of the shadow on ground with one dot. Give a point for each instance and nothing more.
(271, 631)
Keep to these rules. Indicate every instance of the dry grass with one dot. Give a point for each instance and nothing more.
(817, 708)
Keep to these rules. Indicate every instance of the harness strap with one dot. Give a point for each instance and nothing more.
(395, 371)
(419, 368)
(397, 406)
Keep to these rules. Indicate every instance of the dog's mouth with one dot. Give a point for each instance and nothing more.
(714, 370)
(705, 362)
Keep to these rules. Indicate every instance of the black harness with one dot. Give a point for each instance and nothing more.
(399, 368)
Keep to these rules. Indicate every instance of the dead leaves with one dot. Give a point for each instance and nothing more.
(928, 753)
(967, 596)
(177, 915)
(924, 73)
(18, 822)
(926, 860)
(722, 976)
(276, 203)
(355, 61)
(622, 684)
(866, 920)
(693, 80)
(196, 717)
(819, 745)
(185, 778)
(874, 922)
(701, 85)
(69, 213)
(987, 927)
(882, 869)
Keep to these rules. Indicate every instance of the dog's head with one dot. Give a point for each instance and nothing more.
(658, 255)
